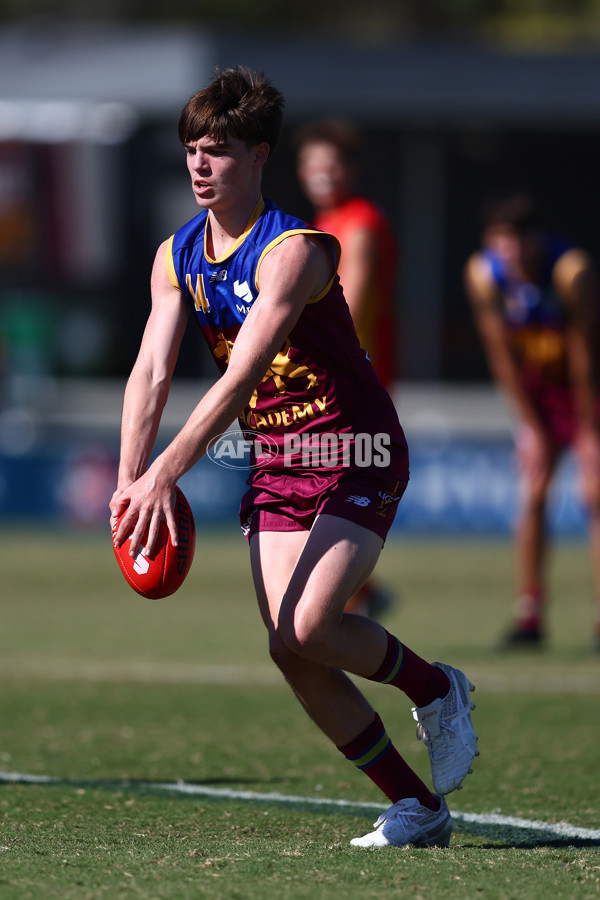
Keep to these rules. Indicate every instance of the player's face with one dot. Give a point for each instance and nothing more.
(224, 172)
(324, 175)
(519, 250)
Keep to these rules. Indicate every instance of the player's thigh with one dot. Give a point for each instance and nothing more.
(316, 570)
(273, 558)
(336, 560)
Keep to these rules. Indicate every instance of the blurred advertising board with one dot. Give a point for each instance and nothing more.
(460, 487)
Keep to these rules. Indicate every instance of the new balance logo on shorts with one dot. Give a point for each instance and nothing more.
(358, 500)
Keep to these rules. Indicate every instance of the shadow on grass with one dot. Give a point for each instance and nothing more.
(503, 831)
(504, 835)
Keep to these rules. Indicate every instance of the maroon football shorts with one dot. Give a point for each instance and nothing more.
(291, 500)
(555, 405)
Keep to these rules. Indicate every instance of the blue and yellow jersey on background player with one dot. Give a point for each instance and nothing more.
(535, 316)
(321, 381)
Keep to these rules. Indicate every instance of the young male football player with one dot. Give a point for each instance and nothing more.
(535, 300)
(264, 289)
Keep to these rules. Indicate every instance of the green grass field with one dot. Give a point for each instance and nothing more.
(112, 696)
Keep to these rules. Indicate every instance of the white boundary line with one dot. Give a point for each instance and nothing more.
(559, 829)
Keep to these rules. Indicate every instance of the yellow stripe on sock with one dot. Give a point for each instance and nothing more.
(362, 762)
(396, 667)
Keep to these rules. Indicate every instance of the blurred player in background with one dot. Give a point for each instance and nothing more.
(535, 301)
(327, 166)
(327, 162)
(264, 289)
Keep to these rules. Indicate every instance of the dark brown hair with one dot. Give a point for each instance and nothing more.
(518, 211)
(340, 133)
(238, 103)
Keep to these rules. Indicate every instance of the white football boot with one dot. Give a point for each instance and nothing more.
(446, 729)
(407, 822)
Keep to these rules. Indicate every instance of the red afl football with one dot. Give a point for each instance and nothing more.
(161, 574)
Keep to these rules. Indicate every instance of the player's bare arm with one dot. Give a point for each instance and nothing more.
(293, 272)
(148, 385)
(576, 283)
(357, 270)
(485, 302)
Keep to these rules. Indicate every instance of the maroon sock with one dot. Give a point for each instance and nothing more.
(419, 680)
(530, 605)
(373, 752)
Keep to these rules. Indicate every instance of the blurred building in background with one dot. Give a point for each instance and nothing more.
(92, 178)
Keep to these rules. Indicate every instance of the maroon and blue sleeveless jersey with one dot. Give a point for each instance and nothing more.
(321, 381)
(535, 317)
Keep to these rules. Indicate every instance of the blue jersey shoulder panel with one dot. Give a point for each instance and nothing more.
(525, 302)
(222, 290)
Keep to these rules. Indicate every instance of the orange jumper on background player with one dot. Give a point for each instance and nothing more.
(535, 301)
(327, 166)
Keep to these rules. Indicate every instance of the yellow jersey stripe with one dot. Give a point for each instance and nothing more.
(286, 234)
(251, 223)
(170, 264)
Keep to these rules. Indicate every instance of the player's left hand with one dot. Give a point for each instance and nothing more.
(143, 505)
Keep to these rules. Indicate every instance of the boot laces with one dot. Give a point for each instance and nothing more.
(402, 815)
(441, 746)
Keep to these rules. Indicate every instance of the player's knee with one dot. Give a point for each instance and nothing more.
(535, 496)
(304, 637)
(281, 655)
(287, 656)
